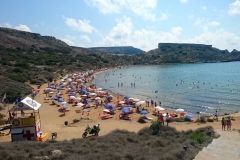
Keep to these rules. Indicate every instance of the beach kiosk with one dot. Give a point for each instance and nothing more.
(26, 122)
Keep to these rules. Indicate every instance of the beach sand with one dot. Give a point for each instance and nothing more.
(54, 121)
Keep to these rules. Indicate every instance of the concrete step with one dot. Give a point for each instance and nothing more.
(227, 146)
(222, 152)
(205, 156)
(229, 134)
(219, 142)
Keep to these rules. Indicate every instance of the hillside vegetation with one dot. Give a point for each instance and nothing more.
(167, 144)
(29, 58)
(119, 50)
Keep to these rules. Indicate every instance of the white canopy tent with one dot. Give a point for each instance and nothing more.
(26, 104)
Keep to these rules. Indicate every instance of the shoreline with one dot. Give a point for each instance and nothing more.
(192, 112)
(53, 121)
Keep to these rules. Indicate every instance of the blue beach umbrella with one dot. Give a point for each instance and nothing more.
(89, 100)
(109, 106)
(55, 98)
(144, 112)
(189, 116)
(126, 97)
(73, 93)
(83, 91)
(60, 100)
(125, 110)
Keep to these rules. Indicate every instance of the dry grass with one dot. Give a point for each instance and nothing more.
(118, 145)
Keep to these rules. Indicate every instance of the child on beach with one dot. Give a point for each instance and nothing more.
(223, 122)
(228, 123)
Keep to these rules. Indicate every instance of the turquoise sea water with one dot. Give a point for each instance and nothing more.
(202, 87)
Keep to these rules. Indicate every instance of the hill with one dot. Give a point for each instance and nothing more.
(119, 50)
(30, 58)
(186, 53)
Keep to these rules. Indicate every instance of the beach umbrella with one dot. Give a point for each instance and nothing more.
(126, 97)
(179, 110)
(89, 100)
(144, 112)
(130, 98)
(72, 93)
(99, 89)
(60, 100)
(121, 102)
(64, 103)
(78, 98)
(97, 98)
(106, 110)
(140, 103)
(109, 106)
(92, 94)
(80, 104)
(189, 116)
(84, 95)
(164, 114)
(125, 110)
(55, 98)
(136, 100)
(159, 108)
(83, 91)
(72, 97)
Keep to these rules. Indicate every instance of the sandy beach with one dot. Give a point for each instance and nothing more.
(54, 121)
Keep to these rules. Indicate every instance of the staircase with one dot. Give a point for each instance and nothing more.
(226, 147)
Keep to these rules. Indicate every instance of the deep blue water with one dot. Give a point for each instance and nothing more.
(201, 87)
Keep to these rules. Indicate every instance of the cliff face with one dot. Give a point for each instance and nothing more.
(187, 53)
(163, 46)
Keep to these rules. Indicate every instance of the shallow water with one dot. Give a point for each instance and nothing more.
(202, 87)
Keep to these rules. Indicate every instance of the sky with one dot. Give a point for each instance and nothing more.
(138, 23)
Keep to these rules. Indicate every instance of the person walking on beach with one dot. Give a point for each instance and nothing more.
(215, 115)
(161, 118)
(228, 123)
(167, 118)
(223, 122)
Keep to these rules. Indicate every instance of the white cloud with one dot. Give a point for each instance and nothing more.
(183, 1)
(105, 6)
(220, 39)
(79, 25)
(177, 30)
(124, 34)
(23, 27)
(163, 16)
(85, 37)
(204, 8)
(199, 21)
(234, 8)
(68, 41)
(214, 23)
(142, 8)
(7, 25)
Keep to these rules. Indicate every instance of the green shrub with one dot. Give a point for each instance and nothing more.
(210, 120)
(201, 120)
(156, 126)
(197, 136)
